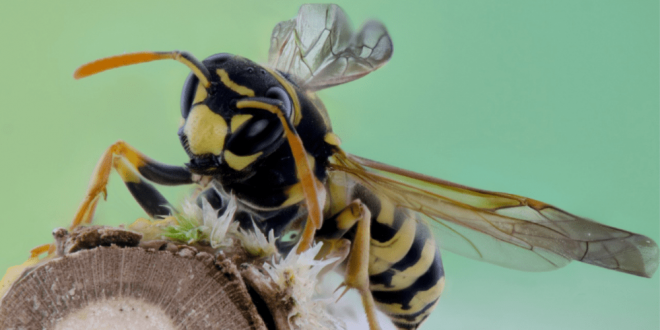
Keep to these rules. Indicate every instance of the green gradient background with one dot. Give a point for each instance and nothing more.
(555, 100)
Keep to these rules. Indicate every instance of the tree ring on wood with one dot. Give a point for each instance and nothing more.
(130, 288)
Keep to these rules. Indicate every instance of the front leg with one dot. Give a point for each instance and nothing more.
(131, 165)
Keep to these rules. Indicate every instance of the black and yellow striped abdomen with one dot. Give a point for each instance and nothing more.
(405, 269)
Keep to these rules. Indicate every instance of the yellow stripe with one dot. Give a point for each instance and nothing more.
(239, 120)
(337, 185)
(240, 162)
(294, 195)
(242, 90)
(383, 255)
(332, 139)
(200, 94)
(297, 114)
(125, 171)
(405, 278)
(418, 302)
(199, 74)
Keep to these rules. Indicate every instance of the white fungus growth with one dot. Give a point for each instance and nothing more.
(212, 227)
(299, 273)
(220, 226)
(255, 242)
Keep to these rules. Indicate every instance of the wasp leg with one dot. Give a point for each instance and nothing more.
(129, 162)
(356, 214)
(144, 193)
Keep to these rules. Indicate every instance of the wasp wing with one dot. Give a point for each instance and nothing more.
(321, 50)
(504, 229)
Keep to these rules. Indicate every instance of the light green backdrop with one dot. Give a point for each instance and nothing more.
(555, 100)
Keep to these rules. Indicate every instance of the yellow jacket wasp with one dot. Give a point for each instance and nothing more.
(262, 136)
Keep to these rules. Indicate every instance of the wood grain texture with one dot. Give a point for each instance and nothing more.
(193, 290)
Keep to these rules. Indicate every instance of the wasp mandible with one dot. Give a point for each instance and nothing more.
(260, 134)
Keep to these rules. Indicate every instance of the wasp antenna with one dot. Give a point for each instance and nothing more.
(112, 62)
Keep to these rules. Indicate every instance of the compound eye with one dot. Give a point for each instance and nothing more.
(257, 134)
(279, 94)
(188, 93)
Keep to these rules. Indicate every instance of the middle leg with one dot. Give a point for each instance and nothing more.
(357, 215)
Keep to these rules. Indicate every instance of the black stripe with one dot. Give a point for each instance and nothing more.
(405, 326)
(423, 283)
(379, 231)
(413, 316)
(422, 234)
(383, 232)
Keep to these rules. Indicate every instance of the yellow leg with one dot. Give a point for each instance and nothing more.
(131, 165)
(97, 185)
(357, 266)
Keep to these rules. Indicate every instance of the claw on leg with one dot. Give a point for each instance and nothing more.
(37, 251)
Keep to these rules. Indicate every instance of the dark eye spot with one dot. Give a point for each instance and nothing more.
(262, 131)
(250, 70)
(256, 128)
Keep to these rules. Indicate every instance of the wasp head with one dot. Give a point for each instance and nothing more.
(218, 136)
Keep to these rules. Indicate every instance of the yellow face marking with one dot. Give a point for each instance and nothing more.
(332, 139)
(239, 120)
(297, 114)
(201, 94)
(240, 162)
(241, 90)
(205, 130)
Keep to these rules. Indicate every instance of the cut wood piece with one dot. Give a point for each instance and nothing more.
(131, 288)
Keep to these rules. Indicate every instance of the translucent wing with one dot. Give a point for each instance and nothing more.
(504, 229)
(321, 50)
